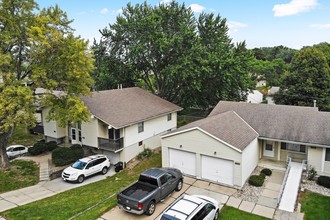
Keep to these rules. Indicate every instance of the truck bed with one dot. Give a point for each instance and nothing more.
(138, 190)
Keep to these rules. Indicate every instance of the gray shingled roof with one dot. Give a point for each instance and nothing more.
(292, 123)
(123, 107)
(228, 127)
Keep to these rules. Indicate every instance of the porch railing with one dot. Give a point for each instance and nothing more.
(111, 145)
(288, 160)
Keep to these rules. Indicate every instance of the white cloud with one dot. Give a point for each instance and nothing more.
(320, 26)
(294, 7)
(104, 11)
(165, 2)
(234, 26)
(197, 8)
(119, 11)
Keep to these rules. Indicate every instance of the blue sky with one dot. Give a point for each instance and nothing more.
(261, 23)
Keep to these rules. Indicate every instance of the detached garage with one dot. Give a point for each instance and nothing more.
(221, 148)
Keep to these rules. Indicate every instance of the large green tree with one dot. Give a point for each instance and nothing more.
(307, 80)
(223, 67)
(38, 49)
(166, 50)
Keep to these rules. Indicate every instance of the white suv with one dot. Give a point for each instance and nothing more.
(86, 167)
(194, 207)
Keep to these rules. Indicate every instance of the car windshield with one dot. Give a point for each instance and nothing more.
(9, 149)
(79, 165)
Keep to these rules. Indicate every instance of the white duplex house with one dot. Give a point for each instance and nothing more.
(226, 146)
(123, 123)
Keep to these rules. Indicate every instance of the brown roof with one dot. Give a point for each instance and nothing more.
(228, 127)
(282, 122)
(123, 107)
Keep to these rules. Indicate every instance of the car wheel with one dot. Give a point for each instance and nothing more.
(151, 208)
(104, 170)
(81, 179)
(178, 186)
(216, 216)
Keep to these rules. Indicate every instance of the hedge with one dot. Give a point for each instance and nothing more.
(64, 155)
(323, 181)
(38, 148)
(256, 180)
(266, 171)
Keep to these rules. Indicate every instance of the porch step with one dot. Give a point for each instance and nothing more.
(290, 192)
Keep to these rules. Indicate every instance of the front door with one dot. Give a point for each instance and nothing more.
(269, 149)
(76, 134)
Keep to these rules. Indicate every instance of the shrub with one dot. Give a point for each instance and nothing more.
(64, 155)
(77, 150)
(311, 173)
(263, 175)
(38, 148)
(144, 154)
(266, 171)
(256, 180)
(324, 181)
(51, 145)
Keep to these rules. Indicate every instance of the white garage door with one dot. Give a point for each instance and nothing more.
(218, 170)
(184, 161)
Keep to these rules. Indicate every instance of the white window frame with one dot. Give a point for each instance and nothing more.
(140, 127)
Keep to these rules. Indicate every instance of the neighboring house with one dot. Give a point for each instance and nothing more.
(123, 123)
(226, 146)
(254, 97)
(270, 94)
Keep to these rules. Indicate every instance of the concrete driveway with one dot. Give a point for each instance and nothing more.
(42, 190)
(191, 186)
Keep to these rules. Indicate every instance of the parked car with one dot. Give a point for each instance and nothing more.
(86, 167)
(16, 150)
(194, 207)
(153, 185)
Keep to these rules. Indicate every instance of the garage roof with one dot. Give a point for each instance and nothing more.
(122, 107)
(228, 127)
(282, 122)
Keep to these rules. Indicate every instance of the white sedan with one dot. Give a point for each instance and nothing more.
(192, 207)
(16, 150)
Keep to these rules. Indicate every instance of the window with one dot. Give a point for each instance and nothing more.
(169, 117)
(327, 154)
(114, 134)
(140, 143)
(293, 147)
(141, 127)
(163, 180)
(269, 147)
(201, 213)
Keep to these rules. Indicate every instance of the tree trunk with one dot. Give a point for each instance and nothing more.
(4, 138)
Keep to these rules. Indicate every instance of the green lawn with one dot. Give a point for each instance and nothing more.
(22, 136)
(230, 213)
(315, 206)
(69, 203)
(22, 174)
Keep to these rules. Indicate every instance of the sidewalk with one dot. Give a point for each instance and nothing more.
(45, 188)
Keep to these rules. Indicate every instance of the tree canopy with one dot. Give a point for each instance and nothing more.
(308, 79)
(38, 49)
(166, 50)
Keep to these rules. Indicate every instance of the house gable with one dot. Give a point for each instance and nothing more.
(279, 122)
(123, 107)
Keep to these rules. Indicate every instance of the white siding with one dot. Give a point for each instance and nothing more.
(89, 133)
(51, 129)
(152, 128)
(326, 168)
(249, 160)
(315, 158)
(202, 144)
